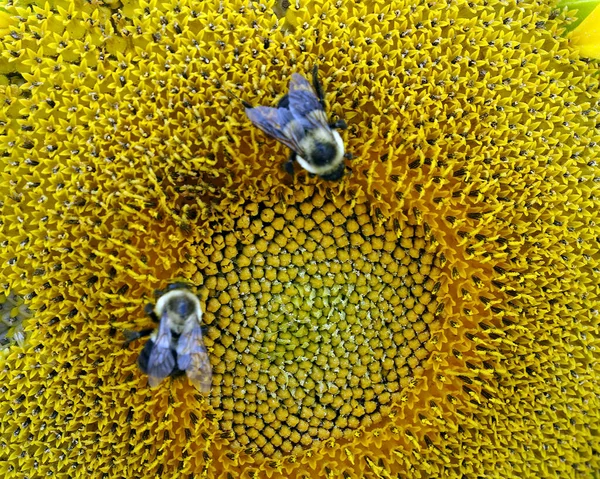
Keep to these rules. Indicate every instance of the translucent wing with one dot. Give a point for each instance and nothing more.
(161, 361)
(189, 342)
(305, 104)
(193, 358)
(199, 371)
(278, 123)
(183, 361)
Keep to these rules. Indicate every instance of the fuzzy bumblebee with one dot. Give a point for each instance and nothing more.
(175, 347)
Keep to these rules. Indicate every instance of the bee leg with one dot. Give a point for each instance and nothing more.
(339, 124)
(131, 336)
(159, 292)
(288, 166)
(149, 310)
(317, 85)
(349, 156)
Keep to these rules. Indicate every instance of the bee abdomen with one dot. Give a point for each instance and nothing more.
(145, 356)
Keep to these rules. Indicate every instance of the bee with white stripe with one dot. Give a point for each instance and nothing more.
(299, 121)
(175, 347)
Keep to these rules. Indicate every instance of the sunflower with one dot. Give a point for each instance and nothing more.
(433, 314)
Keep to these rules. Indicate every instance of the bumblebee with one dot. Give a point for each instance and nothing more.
(299, 121)
(175, 347)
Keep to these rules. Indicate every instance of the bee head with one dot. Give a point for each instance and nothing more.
(323, 153)
(182, 306)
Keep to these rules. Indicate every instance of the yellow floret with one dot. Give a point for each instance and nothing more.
(433, 314)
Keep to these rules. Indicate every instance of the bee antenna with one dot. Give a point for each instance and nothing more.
(235, 97)
(317, 84)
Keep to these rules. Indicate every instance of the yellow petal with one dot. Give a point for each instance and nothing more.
(586, 37)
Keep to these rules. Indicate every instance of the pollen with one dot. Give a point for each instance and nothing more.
(432, 314)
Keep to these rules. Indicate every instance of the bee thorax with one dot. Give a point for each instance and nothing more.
(324, 154)
(182, 310)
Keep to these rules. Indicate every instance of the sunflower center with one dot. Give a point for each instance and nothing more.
(319, 317)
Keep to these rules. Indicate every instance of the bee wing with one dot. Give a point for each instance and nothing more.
(199, 372)
(305, 104)
(161, 361)
(193, 358)
(278, 123)
(189, 342)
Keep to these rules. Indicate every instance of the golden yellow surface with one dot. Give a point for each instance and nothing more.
(434, 314)
(586, 37)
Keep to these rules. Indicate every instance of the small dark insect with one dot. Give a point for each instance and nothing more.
(175, 346)
(299, 122)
